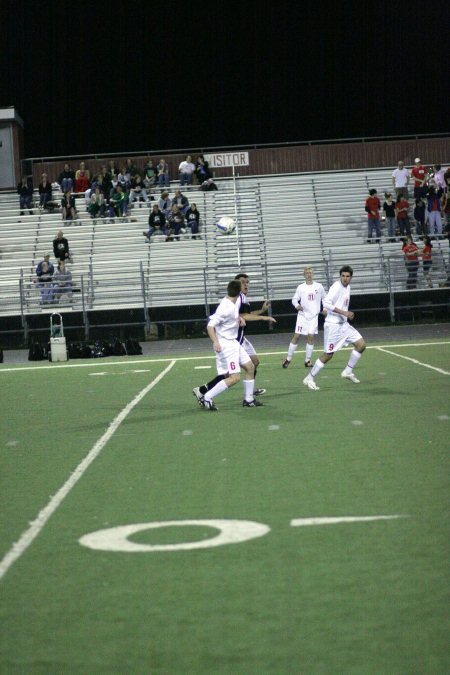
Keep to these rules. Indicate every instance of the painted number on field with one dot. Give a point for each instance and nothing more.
(228, 532)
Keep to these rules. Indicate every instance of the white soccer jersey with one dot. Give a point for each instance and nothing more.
(310, 297)
(226, 319)
(338, 296)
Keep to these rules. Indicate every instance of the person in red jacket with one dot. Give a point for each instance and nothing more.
(401, 212)
(420, 175)
(373, 216)
(411, 254)
(427, 261)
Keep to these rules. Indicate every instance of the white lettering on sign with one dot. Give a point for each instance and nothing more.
(226, 159)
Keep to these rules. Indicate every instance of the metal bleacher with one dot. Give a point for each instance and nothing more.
(283, 223)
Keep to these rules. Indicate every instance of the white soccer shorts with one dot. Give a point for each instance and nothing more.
(307, 326)
(338, 335)
(231, 357)
(249, 348)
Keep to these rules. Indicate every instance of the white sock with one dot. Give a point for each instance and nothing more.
(309, 351)
(216, 390)
(249, 386)
(317, 367)
(353, 360)
(291, 351)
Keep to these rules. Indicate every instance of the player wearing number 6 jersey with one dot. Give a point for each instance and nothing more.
(223, 328)
(307, 301)
(337, 331)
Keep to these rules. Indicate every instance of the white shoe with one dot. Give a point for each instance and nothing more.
(350, 376)
(309, 382)
(198, 395)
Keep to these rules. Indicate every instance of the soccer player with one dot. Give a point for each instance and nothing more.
(247, 315)
(307, 301)
(337, 331)
(230, 355)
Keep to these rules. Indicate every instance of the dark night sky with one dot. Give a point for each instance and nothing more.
(91, 77)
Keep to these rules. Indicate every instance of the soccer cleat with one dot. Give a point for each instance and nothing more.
(350, 376)
(259, 392)
(308, 364)
(208, 405)
(309, 382)
(251, 404)
(286, 362)
(198, 395)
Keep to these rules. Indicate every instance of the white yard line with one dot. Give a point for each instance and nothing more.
(103, 363)
(418, 363)
(36, 525)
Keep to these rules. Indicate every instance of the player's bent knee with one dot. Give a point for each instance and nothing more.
(360, 346)
(255, 360)
(232, 379)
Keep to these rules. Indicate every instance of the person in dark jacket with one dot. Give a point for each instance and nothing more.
(25, 192)
(45, 192)
(61, 247)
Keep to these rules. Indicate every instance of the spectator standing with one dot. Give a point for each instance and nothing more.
(400, 180)
(434, 213)
(163, 173)
(186, 171)
(411, 255)
(193, 220)
(156, 223)
(82, 178)
(419, 216)
(45, 192)
(69, 211)
(438, 180)
(389, 212)
(61, 247)
(25, 192)
(420, 175)
(373, 216)
(427, 260)
(181, 201)
(401, 213)
(446, 210)
(66, 179)
(62, 283)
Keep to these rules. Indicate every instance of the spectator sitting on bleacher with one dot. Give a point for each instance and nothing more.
(66, 179)
(163, 173)
(181, 201)
(193, 220)
(132, 169)
(82, 178)
(373, 216)
(202, 170)
(61, 247)
(25, 192)
(138, 190)
(45, 192)
(156, 223)
(118, 203)
(186, 170)
(176, 224)
(165, 203)
(44, 274)
(97, 204)
(69, 211)
(401, 213)
(62, 283)
(208, 185)
(150, 175)
(124, 178)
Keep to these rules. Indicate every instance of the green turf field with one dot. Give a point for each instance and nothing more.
(82, 452)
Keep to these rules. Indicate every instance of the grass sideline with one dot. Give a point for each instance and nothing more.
(365, 597)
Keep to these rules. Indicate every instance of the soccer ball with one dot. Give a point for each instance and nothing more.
(225, 225)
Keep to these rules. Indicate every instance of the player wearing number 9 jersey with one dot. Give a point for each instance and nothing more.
(223, 328)
(337, 331)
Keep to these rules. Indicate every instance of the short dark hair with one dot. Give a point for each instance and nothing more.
(241, 275)
(233, 288)
(372, 192)
(346, 268)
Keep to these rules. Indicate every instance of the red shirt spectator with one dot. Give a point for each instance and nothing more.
(401, 208)
(410, 250)
(419, 173)
(373, 207)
